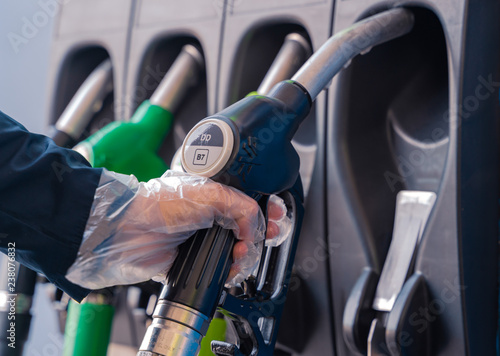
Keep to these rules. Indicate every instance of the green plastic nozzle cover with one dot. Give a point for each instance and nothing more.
(131, 147)
(91, 341)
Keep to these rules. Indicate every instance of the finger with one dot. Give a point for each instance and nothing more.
(233, 272)
(247, 228)
(272, 230)
(241, 205)
(274, 211)
(200, 204)
(240, 249)
(225, 200)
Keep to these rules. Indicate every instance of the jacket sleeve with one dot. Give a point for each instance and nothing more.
(46, 193)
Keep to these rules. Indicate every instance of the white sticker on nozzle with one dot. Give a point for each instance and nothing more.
(207, 148)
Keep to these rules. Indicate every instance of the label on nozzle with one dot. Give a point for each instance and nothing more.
(207, 148)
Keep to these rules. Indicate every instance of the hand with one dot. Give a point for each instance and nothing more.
(246, 255)
(134, 228)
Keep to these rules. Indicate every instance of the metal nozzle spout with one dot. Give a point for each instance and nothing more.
(330, 58)
(293, 53)
(176, 330)
(180, 77)
(84, 103)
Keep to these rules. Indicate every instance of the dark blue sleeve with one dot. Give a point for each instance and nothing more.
(46, 193)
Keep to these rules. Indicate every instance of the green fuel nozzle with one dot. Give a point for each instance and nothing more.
(131, 147)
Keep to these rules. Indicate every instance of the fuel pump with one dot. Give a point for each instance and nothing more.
(248, 146)
(129, 148)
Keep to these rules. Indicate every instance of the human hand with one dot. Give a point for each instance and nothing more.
(134, 228)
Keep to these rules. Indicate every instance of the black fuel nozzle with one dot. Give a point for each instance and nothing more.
(248, 146)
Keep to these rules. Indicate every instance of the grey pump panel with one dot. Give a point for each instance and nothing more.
(418, 113)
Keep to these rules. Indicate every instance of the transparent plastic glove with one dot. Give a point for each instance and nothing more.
(279, 225)
(247, 254)
(134, 228)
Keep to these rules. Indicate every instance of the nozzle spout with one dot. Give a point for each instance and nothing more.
(183, 74)
(293, 53)
(336, 53)
(90, 95)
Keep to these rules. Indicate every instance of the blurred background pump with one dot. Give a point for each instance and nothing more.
(398, 148)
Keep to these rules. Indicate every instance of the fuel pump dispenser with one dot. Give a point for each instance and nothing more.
(248, 146)
(129, 148)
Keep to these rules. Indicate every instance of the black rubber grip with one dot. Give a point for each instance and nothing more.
(199, 272)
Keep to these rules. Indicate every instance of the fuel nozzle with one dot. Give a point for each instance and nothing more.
(292, 54)
(182, 75)
(248, 146)
(265, 125)
(131, 147)
(83, 106)
(341, 48)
